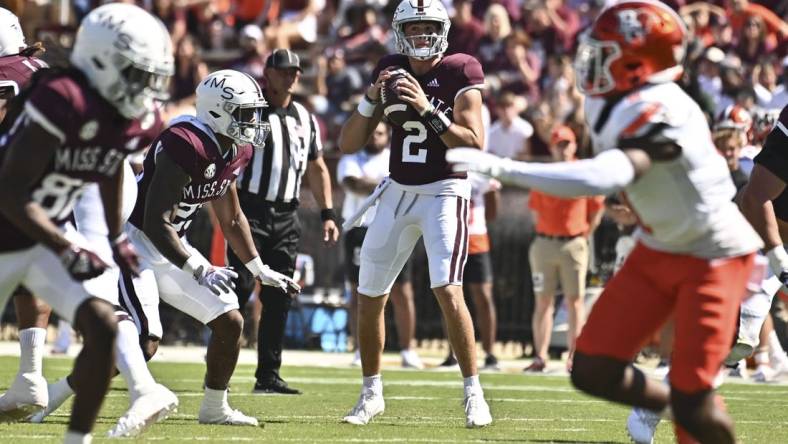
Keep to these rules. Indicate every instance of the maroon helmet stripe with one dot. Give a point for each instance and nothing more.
(420, 6)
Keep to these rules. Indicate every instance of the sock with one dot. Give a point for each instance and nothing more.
(761, 358)
(73, 437)
(63, 339)
(131, 362)
(59, 392)
(374, 384)
(214, 399)
(472, 385)
(31, 343)
(776, 352)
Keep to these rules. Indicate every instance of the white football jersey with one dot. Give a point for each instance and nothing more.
(685, 205)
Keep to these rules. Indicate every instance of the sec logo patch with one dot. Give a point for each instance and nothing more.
(89, 130)
(210, 171)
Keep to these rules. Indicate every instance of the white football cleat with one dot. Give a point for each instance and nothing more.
(356, 360)
(227, 416)
(642, 425)
(26, 397)
(368, 406)
(410, 359)
(145, 411)
(477, 412)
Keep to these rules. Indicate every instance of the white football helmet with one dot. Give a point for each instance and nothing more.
(231, 103)
(410, 11)
(126, 55)
(11, 38)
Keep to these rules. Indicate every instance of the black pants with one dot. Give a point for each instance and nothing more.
(276, 232)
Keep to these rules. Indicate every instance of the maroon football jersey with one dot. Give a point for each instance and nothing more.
(94, 140)
(15, 73)
(192, 146)
(418, 155)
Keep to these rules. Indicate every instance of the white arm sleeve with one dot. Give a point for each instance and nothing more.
(604, 174)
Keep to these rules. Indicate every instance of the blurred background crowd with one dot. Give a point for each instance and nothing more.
(738, 54)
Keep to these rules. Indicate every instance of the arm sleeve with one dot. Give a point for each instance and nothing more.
(774, 155)
(604, 174)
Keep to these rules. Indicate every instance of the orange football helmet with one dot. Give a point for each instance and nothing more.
(630, 44)
(737, 118)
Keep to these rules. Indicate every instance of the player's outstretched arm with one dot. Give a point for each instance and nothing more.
(604, 174)
(25, 162)
(161, 206)
(356, 131)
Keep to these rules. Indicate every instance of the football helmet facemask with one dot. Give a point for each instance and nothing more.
(126, 54)
(410, 11)
(630, 44)
(231, 103)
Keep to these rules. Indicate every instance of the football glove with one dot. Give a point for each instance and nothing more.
(475, 160)
(81, 263)
(273, 278)
(125, 256)
(778, 262)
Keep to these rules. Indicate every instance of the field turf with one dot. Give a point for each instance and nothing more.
(421, 407)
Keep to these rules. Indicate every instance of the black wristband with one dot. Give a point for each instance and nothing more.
(436, 120)
(328, 214)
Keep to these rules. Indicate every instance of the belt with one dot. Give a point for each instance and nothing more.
(257, 201)
(560, 238)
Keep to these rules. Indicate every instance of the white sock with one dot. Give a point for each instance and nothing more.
(472, 385)
(776, 352)
(214, 399)
(59, 392)
(73, 437)
(31, 343)
(63, 339)
(761, 358)
(374, 384)
(131, 362)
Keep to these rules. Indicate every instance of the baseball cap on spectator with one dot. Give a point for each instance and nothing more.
(731, 62)
(252, 32)
(714, 54)
(562, 133)
(283, 59)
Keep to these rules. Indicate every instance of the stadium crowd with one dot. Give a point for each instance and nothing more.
(737, 55)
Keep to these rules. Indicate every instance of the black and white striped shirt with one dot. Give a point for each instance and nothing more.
(275, 172)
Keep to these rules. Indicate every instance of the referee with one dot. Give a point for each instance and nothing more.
(268, 190)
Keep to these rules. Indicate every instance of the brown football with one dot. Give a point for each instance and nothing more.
(396, 110)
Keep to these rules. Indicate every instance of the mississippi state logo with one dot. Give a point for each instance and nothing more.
(210, 171)
(88, 130)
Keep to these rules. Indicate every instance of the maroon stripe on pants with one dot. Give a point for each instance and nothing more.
(457, 237)
(465, 240)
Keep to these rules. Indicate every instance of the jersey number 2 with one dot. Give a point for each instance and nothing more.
(419, 137)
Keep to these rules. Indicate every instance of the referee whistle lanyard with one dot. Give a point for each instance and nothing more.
(366, 204)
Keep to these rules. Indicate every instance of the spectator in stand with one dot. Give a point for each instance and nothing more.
(551, 26)
(510, 133)
(362, 38)
(722, 31)
(708, 72)
(189, 70)
(337, 82)
(466, 30)
(492, 50)
(359, 173)
(780, 96)
(253, 53)
(701, 16)
(521, 68)
(753, 44)
(740, 11)
(296, 24)
(733, 81)
(481, 7)
(559, 253)
(764, 82)
(477, 274)
(173, 15)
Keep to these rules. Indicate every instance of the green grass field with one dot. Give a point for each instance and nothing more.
(421, 406)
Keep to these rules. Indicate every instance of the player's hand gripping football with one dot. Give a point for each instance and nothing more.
(125, 256)
(410, 91)
(475, 160)
(275, 279)
(81, 263)
(373, 92)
